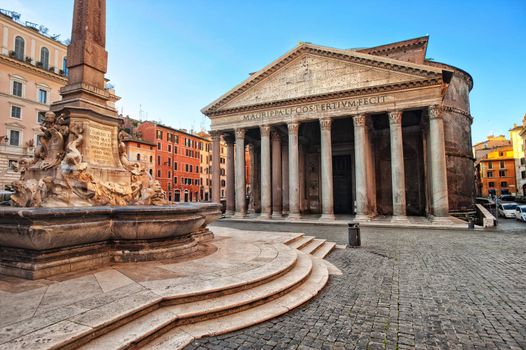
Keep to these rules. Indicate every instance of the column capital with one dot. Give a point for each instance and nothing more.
(325, 123)
(395, 117)
(435, 111)
(359, 119)
(216, 135)
(229, 139)
(293, 127)
(275, 135)
(265, 130)
(240, 133)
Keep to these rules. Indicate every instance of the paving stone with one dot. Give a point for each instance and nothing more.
(409, 289)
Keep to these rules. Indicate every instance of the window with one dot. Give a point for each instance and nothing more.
(169, 148)
(159, 135)
(175, 180)
(151, 172)
(158, 145)
(17, 88)
(65, 70)
(490, 173)
(197, 169)
(151, 159)
(175, 149)
(502, 164)
(138, 156)
(223, 183)
(491, 184)
(41, 116)
(186, 167)
(16, 112)
(169, 174)
(158, 173)
(44, 57)
(42, 96)
(158, 160)
(175, 166)
(503, 184)
(14, 137)
(502, 173)
(490, 165)
(191, 168)
(19, 48)
(523, 174)
(169, 161)
(523, 161)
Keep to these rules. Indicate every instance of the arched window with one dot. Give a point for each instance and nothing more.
(138, 156)
(44, 57)
(19, 48)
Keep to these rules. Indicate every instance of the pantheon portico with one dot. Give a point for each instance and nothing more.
(365, 132)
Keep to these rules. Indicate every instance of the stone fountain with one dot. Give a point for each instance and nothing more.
(80, 203)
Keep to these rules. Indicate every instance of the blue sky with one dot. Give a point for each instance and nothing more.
(168, 58)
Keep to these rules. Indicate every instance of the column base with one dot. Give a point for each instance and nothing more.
(264, 216)
(229, 213)
(327, 217)
(294, 216)
(400, 219)
(440, 220)
(239, 215)
(277, 216)
(361, 218)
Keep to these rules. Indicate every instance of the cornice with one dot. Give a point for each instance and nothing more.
(332, 95)
(342, 55)
(32, 69)
(403, 45)
(456, 110)
(457, 70)
(26, 100)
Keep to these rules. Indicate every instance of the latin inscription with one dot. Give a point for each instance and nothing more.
(101, 141)
(347, 105)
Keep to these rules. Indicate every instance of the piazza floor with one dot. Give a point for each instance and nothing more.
(407, 289)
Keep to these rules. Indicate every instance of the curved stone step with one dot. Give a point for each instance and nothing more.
(324, 250)
(274, 261)
(181, 336)
(294, 238)
(166, 317)
(312, 246)
(300, 243)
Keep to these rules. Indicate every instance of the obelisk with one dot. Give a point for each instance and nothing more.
(84, 98)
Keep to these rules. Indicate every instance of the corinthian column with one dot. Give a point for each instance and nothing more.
(327, 200)
(439, 195)
(241, 210)
(216, 168)
(294, 173)
(285, 176)
(276, 174)
(230, 176)
(360, 167)
(397, 166)
(265, 172)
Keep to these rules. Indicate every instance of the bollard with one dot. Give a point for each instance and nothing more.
(471, 223)
(354, 234)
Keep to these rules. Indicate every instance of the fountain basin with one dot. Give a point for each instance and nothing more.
(41, 242)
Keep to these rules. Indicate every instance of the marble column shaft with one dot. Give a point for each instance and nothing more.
(327, 194)
(285, 176)
(439, 195)
(240, 171)
(397, 164)
(230, 176)
(276, 174)
(360, 166)
(265, 172)
(252, 177)
(216, 167)
(294, 182)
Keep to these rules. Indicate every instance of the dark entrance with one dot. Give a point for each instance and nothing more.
(342, 182)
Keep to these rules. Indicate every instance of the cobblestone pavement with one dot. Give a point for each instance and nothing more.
(409, 289)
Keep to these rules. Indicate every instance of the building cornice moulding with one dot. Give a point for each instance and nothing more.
(32, 69)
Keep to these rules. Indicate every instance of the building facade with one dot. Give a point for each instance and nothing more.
(362, 132)
(520, 161)
(497, 173)
(142, 151)
(177, 160)
(32, 71)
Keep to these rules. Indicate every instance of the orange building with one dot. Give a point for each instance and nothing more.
(177, 160)
(496, 172)
(142, 151)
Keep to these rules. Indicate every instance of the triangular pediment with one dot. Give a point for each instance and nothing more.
(311, 70)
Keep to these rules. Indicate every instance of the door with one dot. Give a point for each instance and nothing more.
(342, 182)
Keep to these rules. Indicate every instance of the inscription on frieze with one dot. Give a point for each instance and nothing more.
(101, 141)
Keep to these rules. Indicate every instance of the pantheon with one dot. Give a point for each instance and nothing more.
(364, 132)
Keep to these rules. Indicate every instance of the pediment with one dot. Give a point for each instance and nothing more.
(311, 70)
(16, 125)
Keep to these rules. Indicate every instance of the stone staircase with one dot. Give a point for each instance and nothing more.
(172, 321)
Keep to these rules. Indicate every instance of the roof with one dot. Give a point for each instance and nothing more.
(175, 130)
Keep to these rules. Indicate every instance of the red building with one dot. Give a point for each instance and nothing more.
(177, 160)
